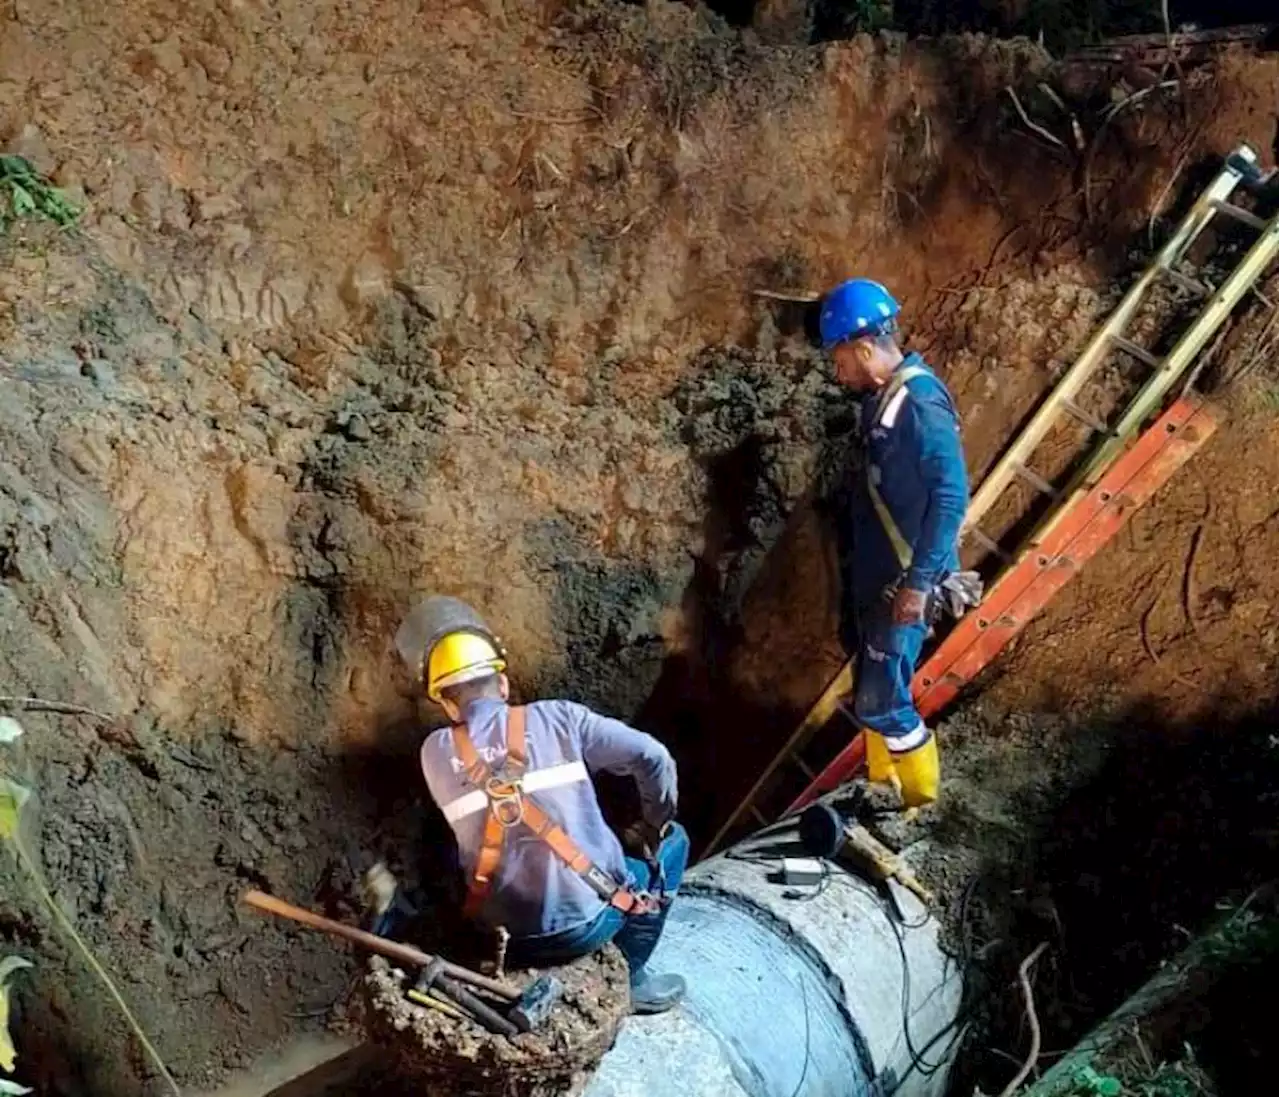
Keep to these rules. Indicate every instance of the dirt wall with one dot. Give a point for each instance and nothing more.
(373, 300)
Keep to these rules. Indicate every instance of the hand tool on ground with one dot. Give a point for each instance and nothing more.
(434, 978)
(395, 950)
(824, 833)
(448, 1009)
(500, 958)
(535, 1004)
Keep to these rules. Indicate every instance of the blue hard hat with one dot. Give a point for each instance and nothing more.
(856, 308)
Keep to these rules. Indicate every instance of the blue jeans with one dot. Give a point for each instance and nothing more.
(636, 934)
(887, 656)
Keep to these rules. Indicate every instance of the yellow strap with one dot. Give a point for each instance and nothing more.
(901, 549)
(899, 378)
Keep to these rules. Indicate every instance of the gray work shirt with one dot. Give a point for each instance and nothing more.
(535, 892)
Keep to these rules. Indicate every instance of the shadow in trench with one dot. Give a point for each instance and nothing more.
(1121, 876)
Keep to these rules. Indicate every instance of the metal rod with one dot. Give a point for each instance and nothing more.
(1244, 216)
(988, 543)
(1191, 285)
(1085, 416)
(1036, 480)
(1133, 350)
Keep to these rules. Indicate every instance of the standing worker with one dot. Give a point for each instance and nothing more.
(907, 503)
(513, 782)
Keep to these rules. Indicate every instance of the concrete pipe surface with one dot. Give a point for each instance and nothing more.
(817, 991)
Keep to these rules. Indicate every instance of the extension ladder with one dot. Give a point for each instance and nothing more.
(1090, 499)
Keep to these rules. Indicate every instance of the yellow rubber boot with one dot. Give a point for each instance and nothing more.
(919, 773)
(879, 760)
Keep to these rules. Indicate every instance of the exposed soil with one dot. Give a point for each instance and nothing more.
(408, 296)
(442, 1055)
(1117, 840)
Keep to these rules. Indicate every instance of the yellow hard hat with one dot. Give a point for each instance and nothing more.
(461, 657)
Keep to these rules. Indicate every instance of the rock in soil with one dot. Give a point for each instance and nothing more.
(445, 1056)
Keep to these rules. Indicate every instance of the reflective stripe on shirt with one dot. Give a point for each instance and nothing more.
(535, 781)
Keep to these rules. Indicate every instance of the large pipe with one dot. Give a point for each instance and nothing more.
(793, 992)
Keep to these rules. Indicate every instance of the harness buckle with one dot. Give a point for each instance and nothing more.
(505, 801)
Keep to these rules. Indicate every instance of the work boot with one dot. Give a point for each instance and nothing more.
(655, 993)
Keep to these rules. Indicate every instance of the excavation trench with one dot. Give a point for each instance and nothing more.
(372, 302)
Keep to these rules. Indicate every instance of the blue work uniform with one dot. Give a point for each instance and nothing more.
(551, 912)
(906, 504)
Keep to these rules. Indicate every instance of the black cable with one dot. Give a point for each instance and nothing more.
(804, 1073)
(918, 1063)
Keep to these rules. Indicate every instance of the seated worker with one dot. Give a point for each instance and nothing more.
(513, 782)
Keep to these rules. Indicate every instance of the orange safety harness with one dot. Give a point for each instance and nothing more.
(510, 806)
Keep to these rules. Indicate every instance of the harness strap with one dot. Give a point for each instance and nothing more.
(510, 804)
(901, 547)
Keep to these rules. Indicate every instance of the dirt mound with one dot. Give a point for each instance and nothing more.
(445, 1057)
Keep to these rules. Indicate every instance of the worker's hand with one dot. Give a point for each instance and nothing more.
(909, 606)
(379, 886)
(640, 839)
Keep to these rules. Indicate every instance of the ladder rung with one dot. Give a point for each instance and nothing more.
(1191, 285)
(1084, 415)
(846, 710)
(761, 818)
(1241, 215)
(1132, 348)
(1035, 480)
(988, 544)
(803, 766)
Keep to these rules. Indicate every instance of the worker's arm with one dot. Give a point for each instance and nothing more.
(612, 746)
(942, 472)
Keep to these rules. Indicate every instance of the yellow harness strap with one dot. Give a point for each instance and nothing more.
(901, 549)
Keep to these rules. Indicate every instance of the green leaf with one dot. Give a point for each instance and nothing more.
(1098, 1085)
(12, 797)
(8, 1053)
(21, 200)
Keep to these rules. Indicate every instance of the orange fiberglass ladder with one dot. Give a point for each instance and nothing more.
(1106, 480)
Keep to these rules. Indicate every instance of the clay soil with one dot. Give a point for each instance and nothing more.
(433, 1054)
(374, 300)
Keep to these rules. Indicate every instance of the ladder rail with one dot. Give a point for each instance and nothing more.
(819, 713)
(1188, 347)
(1100, 346)
(1013, 463)
(1014, 602)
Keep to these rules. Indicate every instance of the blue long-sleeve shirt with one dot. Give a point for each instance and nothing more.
(913, 452)
(535, 892)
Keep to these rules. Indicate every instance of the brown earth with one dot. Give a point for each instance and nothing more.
(437, 1059)
(370, 301)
